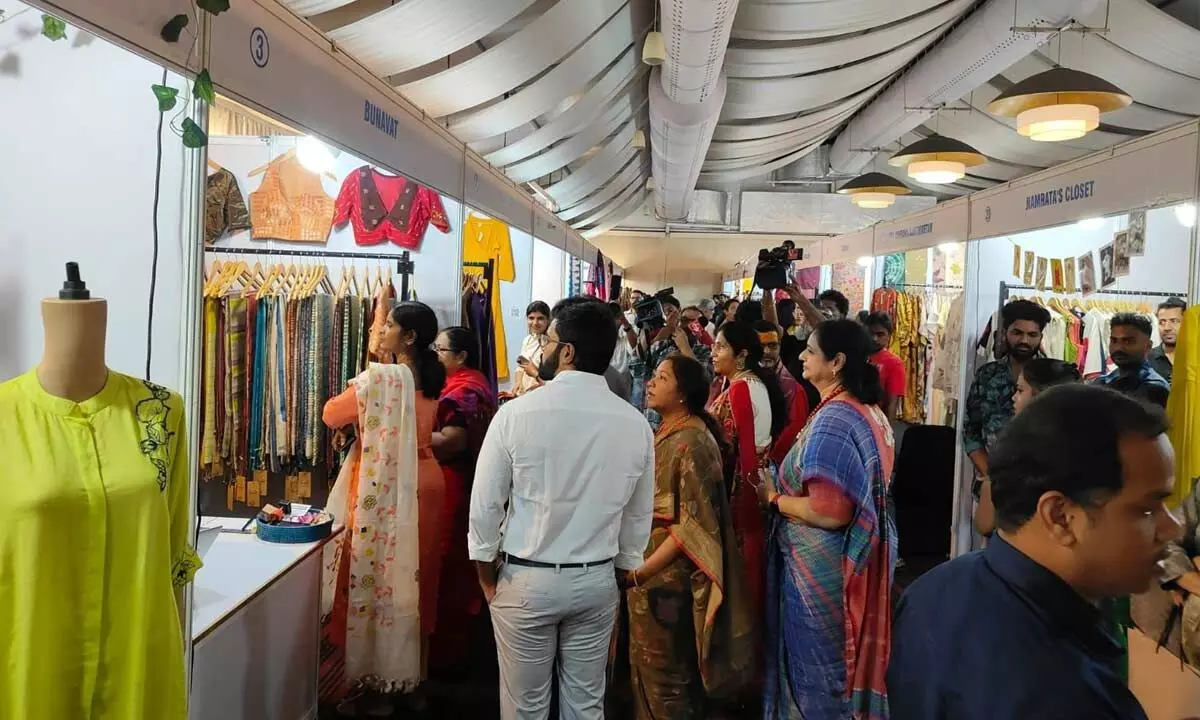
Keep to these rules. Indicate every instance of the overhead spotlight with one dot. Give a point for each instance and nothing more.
(1186, 214)
(314, 155)
(947, 246)
(1089, 224)
(873, 190)
(866, 261)
(1059, 104)
(937, 160)
(654, 50)
(639, 140)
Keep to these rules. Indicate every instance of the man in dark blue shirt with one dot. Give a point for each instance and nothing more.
(1013, 632)
(1129, 345)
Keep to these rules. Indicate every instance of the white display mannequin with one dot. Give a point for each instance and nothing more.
(72, 365)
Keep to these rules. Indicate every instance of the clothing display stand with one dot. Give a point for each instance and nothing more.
(489, 269)
(922, 286)
(488, 362)
(1006, 288)
(404, 262)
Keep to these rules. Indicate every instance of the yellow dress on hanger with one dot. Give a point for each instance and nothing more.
(1183, 406)
(93, 546)
(487, 239)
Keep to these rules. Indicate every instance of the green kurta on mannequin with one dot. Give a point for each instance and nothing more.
(94, 542)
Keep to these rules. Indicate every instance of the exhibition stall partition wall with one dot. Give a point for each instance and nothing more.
(1085, 242)
(88, 186)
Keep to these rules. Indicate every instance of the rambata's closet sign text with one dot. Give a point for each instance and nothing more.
(1060, 195)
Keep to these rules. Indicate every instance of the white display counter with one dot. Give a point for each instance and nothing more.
(256, 629)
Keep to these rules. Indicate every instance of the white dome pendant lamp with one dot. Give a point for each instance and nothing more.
(873, 190)
(1059, 104)
(937, 159)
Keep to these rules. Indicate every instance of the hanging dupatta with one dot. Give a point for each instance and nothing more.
(371, 573)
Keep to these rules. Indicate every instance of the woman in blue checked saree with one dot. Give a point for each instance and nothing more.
(832, 550)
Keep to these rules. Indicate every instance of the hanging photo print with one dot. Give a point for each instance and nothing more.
(1057, 282)
(1016, 261)
(1040, 281)
(1107, 278)
(1121, 253)
(1069, 275)
(1027, 276)
(1087, 274)
(1137, 233)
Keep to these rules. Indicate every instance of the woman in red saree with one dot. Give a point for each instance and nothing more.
(750, 408)
(465, 410)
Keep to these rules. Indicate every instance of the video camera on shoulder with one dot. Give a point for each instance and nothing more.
(650, 312)
(775, 269)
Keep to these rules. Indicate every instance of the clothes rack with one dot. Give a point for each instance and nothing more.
(935, 286)
(1006, 288)
(404, 261)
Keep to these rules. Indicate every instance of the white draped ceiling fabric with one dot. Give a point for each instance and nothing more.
(553, 91)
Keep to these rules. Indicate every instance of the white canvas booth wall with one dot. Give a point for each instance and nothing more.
(549, 264)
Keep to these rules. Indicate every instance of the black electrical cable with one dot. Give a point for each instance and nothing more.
(158, 156)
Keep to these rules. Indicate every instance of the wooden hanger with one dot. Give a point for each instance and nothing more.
(263, 168)
(214, 166)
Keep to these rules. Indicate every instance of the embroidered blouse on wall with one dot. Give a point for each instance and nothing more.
(224, 209)
(290, 204)
(387, 207)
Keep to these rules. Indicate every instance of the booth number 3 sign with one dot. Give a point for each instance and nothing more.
(260, 47)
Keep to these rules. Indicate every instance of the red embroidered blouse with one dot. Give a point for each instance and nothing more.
(386, 207)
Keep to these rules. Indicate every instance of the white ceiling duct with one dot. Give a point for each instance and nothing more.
(615, 81)
(410, 34)
(774, 20)
(525, 54)
(983, 46)
(759, 60)
(584, 64)
(686, 95)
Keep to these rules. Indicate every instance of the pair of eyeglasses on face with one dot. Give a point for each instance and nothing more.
(438, 348)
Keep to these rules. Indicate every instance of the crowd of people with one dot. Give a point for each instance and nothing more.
(708, 487)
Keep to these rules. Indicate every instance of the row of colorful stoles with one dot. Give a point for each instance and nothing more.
(270, 363)
(927, 339)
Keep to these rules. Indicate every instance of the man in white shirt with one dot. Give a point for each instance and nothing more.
(561, 505)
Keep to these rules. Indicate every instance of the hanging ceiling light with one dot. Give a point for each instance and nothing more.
(937, 159)
(1059, 104)
(654, 50)
(873, 190)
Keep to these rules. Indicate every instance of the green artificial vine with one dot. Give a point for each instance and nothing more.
(202, 87)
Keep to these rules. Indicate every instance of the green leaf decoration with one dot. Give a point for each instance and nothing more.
(193, 136)
(166, 95)
(174, 28)
(53, 28)
(203, 88)
(216, 7)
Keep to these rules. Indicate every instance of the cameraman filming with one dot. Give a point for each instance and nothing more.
(663, 334)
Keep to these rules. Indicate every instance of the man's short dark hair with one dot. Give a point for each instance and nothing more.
(669, 300)
(586, 324)
(615, 309)
(1138, 322)
(1024, 310)
(749, 312)
(839, 301)
(1066, 440)
(879, 320)
(1172, 303)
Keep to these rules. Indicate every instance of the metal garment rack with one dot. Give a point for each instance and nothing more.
(489, 269)
(936, 286)
(404, 262)
(1006, 288)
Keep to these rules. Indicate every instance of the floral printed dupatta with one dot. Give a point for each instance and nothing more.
(371, 572)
